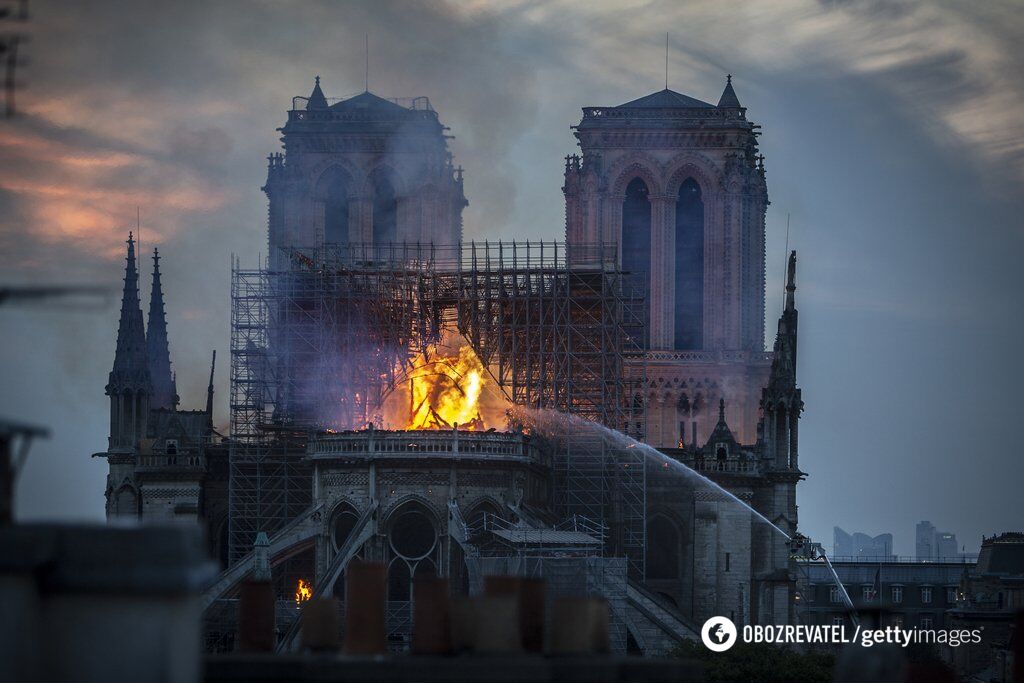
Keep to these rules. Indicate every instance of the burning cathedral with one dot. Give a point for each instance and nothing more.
(463, 409)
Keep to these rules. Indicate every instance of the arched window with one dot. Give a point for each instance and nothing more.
(782, 434)
(399, 580)
(689, 267)
(336, 211)
(385, 211)
(636, 243)
(662, 548)
(345, 520)
(412, 534)
(126, 502)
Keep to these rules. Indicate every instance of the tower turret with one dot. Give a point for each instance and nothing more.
(158, 354)
(780, 401)
(129, 386)
(728, 100)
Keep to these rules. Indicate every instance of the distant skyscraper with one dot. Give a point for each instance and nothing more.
(925, 545)
(861, 546)
(945, 545)
(935, 545)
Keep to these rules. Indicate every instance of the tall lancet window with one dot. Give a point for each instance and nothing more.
(689, 266)
(336, 211)
(636, 243)
(385, 211)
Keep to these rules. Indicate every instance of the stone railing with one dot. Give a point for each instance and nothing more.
(710, 356)
(730, 466)
(168, 461)
(448, 443)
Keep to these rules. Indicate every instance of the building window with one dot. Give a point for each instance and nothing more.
(837, 620)
(385, 211)
(636, 241)
(951, 595)
(171, 446)
(335, 188)
(927, 621)
(926, 595)
(897, 620)
(728, 557)
(810, 593)
(834, 595)
(867, 593)
(689, 321)
(897, 594)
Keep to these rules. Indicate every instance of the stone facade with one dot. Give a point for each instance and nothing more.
(678, 185)
(414, 482)
(364, 170)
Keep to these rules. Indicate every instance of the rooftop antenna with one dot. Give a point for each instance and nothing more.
(138, 227)
(666, 61)
(366, 82)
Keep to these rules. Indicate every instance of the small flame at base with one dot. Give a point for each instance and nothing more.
(303, 592)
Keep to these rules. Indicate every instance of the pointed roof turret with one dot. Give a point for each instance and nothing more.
(130, 371)
(721, 433)
(158, 354)
(728, 100)
(316, 98)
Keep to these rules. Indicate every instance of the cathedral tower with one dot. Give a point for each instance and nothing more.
(678, 185)
(364, 170)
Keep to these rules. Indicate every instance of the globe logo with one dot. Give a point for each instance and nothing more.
(718, 634)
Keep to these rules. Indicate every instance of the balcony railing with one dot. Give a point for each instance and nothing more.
(166, 461)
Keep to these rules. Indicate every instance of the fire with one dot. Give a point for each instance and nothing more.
(444, 391)
(303, 592)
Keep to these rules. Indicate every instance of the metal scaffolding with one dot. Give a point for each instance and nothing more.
(319, 340)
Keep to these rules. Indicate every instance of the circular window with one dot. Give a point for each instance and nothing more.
(344, 523)
(413, 535)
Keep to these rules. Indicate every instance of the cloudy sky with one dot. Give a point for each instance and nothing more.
(894, 144)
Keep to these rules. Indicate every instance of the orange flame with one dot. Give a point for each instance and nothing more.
(444, 391)
(303, 592)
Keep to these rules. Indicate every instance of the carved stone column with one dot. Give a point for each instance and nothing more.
(660, 333)
(360, 219)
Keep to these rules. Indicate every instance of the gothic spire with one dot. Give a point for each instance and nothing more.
(209, 392)
(316, 98)
(157, 353)
(791, 282)
(784, 361)
(130, 369)
(728, 100)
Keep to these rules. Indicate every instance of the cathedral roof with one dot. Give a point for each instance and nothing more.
(666, 99)
(368, 102)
